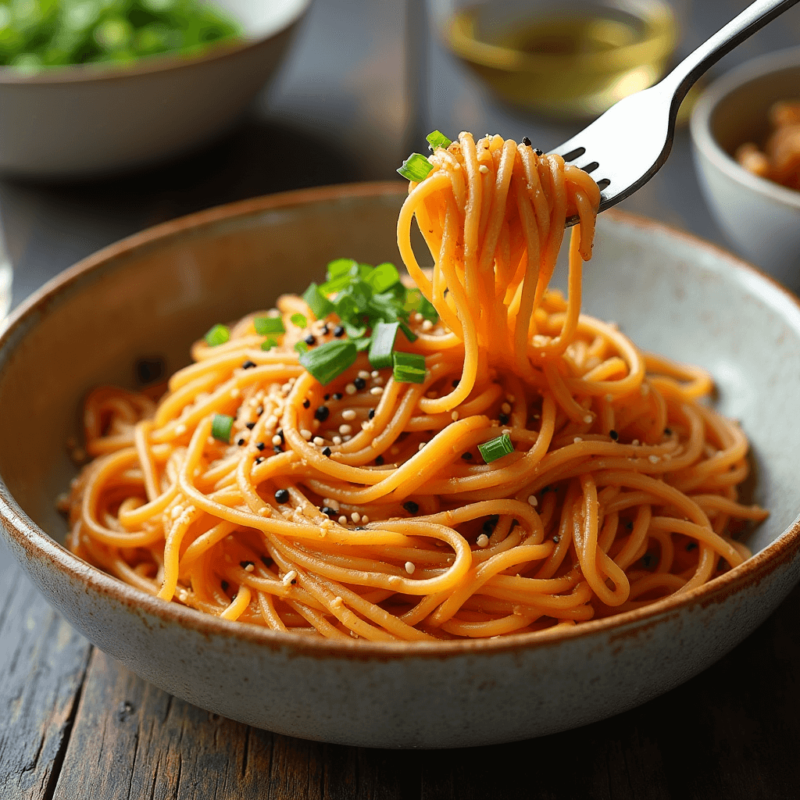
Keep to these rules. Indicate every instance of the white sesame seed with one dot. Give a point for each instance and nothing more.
(336, 602)
(348, 414)
(378, 381)
(374, 374)
(505, 408)
(421, 445)
(331, 503)
(427, 325)
(577, 439)
(289, 577)
(410, 568)
(343, 520)
(532, 500)
(350, 388)
(416, 316)
(337, 440)
(306, 434)
(364, 519)
(483, 540)
(363, 374)
(635, 442)
(347, 438)
(276, 440)
(356, 517)
(319, 441)
(376, 390)
(454, 416)
(345, 429)
(248, 567)
(653, 459)
(588, 419)
(483, 169)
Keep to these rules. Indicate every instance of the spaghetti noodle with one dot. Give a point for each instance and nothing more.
(544, 471)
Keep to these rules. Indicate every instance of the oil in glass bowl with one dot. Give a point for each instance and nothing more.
(567, 59)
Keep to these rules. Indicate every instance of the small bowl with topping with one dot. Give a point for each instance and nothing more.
(746, 135)
(90, 88)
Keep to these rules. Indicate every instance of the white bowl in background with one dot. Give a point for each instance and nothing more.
(92, 119)
(761, 218)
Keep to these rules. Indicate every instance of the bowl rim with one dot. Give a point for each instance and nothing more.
(700, 122)
(38, 545)
(163, 62)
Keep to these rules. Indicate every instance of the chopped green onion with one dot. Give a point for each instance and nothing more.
(408, 367)
(329, 360)
(496, 448)
(362, 343)
(409, 334)
(427, 309)
(380, 351)
(438, 139)
(299, 320)
(269, 343)
(383, 277)
(319, 304)
(265, 325)
(301, 346)
(340, 267)
(221, 427)
(416, 167)
(219, 334)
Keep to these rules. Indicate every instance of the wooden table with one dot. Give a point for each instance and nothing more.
(74, 724)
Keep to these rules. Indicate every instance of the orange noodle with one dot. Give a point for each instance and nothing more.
(364, 508)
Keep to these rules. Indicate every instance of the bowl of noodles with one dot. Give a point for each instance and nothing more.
(250, 457)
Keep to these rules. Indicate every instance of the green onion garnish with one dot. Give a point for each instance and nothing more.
(219, 334)
(301, 346)
(383, 277)
(416, 167)
(329, 360)
(427, 309)
(221, 427)
(299, 320)
(438, 139)
(266, 325)
(269, 343)
(408, 367)
(380, 351)
(319, 304)
(496, 448)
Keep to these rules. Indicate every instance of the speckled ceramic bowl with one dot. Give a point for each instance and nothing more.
(153, 294)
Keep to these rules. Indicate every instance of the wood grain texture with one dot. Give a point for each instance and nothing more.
(42, 664)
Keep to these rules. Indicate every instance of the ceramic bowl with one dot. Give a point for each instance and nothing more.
(94, 119)
(760, 218)
(153, 294)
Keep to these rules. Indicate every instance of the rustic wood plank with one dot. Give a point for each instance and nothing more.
(42, 664)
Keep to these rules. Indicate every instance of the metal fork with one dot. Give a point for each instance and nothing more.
(628, 144)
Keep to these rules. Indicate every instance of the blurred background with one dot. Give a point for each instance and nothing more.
(352, 86)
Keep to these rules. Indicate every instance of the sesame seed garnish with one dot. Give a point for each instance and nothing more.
(371, 413)
(577, 439)
(614, 435)
(338, 331)
(410, 568)
(348, 414)
(379, 381)
(482, 540)
(376, 390)
(503, 419)
(635, 442)
(325, 330)
(347, 438)
(654, 459)
(427, 325)
(260, 446)
(363, 374)
(336, 396)
(248, 364)
(310, 339)
(289, 577)
(249, 425)
(336, 602)
(319, 441)
(526, 141)
(282, 496)
(411, 506)
(356, 517)
(588, 419)
(306, 403)
(306, 434)
(350, 389)
(343, 520)
(345, 429)
(505, 408)
(374, 374)
(454, 416)
(337, 440)
(364, 519)
(259, 459)
(328, 511)
(327, 451)
(359, 383)
(234, 393)
(421, 445)
(247, 566)
(483, 169)
(322, 412)
(224, 585)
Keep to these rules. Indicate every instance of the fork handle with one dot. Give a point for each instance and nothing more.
(753, 18)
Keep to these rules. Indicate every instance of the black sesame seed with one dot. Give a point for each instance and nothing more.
(338, 331)
(667, 432)
(240, 442)
(691, 546)
(379, 460)
(306, 403)
(359, 383)
(538, 152)
(371, 414)
(337, 395)
(260, 446)
(411, 506)
(277, 449)
(310, 339)
(466, 456)
(282, 495)
(248, 364)
(503, 419)
(249, 425)
(246, 564)
(526, 141)
(326, 329)
(322, 413)
(259, 459)
(614, 435)
(328, 511)
(327, 451)
(280, 433)
(455, 383)
(225, 585)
